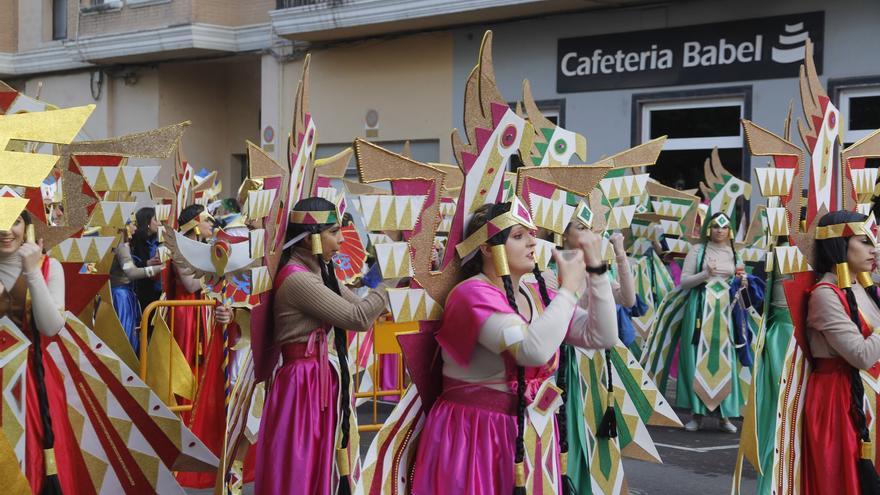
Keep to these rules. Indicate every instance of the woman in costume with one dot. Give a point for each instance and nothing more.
(189, 322)
(713, 264)
(32, 296)
(499, 340)
(145, 252)
(840, 318)
(308, 435)
(123, 274)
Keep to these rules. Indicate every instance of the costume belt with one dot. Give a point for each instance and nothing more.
(315, 348)
(478, 395)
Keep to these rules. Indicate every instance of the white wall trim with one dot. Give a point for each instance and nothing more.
(326, 16)
(79, 54)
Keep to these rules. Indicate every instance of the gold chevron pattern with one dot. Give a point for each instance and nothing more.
(82, 249)
(112, 213)
(388, 212)
(623, 187)
(258, 204)
(551, 213)
(774, 181)
(260, 280)
(119, 179)
(777, 221)
(678, 245)
(413, 305)
(447, 213)
(670, 228)
(712, 382)
(620, 217)
(864, 180)
(257, 243)
(543, 253)
(13, 366)
(669, 209)
(394, 260)
(163, 213)
(791, 260)
(753, 255)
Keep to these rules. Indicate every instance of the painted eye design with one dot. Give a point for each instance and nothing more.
(734, 188)
(560, 146)
(508, 137)
(311, 137)
(832, 120)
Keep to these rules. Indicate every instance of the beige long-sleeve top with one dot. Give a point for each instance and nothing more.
(123, 270)
(47, 294)
(623, 289)
(720, 254)
(831, 333)
(590, 322)
(303, 303)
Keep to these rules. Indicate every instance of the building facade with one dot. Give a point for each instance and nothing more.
(619, 72)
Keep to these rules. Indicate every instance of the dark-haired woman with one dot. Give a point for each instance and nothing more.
(32, 297)
(841, 317)
(123, 275)
(145, 252)
(714, 329)
(493, 429)
(308, 435)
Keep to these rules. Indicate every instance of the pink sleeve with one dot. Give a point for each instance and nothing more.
(467, 308)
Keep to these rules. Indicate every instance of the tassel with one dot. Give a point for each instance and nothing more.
(520, 478)
(608, 425)
(344, 471)
(51, 485)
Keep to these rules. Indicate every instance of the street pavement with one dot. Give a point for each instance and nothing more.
(699, 463)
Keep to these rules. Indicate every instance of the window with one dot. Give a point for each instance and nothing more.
(860, 112)
(59, 19)
(694, 123)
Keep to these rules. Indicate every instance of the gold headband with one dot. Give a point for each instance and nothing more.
(314, 217)
(194, 223)
(518, 215)
(848, 229)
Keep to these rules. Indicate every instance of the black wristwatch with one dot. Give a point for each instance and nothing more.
(598, 270)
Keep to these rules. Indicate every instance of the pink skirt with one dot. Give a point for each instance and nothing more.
(295, 452)
(467, 444)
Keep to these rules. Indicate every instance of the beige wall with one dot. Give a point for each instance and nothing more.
(134, 18)
(222, 101)
(9, 26)
(407, 80)
(232, 12)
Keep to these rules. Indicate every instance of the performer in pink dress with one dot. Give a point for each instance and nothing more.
(493, 428)
(308, 435)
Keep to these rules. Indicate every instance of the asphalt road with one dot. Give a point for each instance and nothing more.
(701, 462)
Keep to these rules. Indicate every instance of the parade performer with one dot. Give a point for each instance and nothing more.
(123, 275)
(820, 440)
(145, 253)
(307, 421)
(64, 439)
(706, 317)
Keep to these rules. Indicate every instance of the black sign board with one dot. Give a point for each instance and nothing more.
(765, 48)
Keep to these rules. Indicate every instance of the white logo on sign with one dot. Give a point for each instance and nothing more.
(792, 42)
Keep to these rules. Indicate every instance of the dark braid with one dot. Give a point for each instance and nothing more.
(857, 406)
(565, 353)
(340, 344)
(519, 445)
(51, 485)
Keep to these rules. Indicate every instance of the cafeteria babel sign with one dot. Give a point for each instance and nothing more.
(765, 48)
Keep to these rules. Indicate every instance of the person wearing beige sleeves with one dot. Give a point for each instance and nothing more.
(123, 274)
(308, 434)
(843, 318)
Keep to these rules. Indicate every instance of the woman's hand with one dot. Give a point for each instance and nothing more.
(617, 241)
(31, 254)
(223, 314)
(154, 261)
(572, 272)
(591, 244)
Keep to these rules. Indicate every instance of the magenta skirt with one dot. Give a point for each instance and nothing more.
(295, 452)
(467, 444)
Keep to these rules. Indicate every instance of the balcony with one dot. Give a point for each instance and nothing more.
(324, 20)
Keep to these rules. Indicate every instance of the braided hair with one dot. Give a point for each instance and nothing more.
(328, 276)
(830, 253)
(51, 483)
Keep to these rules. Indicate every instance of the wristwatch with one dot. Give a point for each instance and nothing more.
(598, 270)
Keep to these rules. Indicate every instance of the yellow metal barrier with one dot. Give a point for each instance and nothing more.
(145, 326)
(385, 333)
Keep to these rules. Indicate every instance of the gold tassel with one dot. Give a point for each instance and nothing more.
(499, 259)
(865, 279)
(317, 248)
(844, 281)
(342, 462)
(520, 472)
(867, 451)
(49, 461)
(563, 463)
(197, 231)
